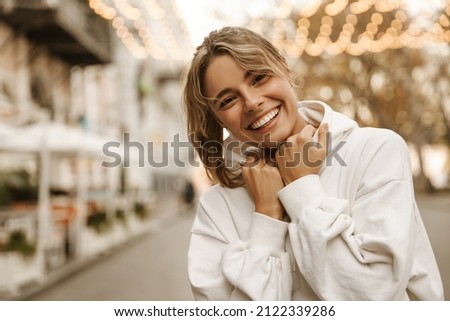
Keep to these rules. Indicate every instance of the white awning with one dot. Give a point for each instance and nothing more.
(52, 136)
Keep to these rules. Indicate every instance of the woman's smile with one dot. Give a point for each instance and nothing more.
(263, 122)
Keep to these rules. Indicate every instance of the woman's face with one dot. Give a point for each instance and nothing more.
(254, 107)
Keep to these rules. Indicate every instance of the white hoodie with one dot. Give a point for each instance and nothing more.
(355, 231)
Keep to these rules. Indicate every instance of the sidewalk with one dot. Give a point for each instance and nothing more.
(435, 213)
(166, 211)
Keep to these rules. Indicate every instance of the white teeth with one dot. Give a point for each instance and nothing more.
(261, 122)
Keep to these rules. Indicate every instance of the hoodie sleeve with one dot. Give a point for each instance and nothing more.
(362, 253)
(222, 266)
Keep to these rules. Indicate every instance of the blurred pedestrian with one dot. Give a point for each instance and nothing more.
(319, 208)
(188, 193)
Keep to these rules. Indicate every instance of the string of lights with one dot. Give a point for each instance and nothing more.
(132, 28)
(402, 31)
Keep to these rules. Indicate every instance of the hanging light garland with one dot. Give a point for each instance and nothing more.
(139, 40)
(372, 39)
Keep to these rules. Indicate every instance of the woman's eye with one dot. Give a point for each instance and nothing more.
(260, 78)
(227, 101)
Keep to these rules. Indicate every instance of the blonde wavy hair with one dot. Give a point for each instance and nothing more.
(250, 51)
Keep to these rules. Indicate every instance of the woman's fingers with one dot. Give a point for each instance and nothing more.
(263, 183)
(301, 154)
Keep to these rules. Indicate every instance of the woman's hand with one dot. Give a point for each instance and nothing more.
(263, 182)
(300, 156)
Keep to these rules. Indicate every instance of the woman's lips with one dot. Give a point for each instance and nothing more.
(263, 121)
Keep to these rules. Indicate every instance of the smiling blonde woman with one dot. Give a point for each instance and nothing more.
(318, 208)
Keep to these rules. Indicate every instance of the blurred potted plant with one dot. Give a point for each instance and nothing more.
(19, 243)
(18, 261)
(121, 217)
(18, 189)
(98, 220)
(141, 210)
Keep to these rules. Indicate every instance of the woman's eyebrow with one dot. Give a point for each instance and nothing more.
(226, 90)
(222, 92)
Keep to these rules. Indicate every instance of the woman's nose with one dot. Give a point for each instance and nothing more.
(252, 102)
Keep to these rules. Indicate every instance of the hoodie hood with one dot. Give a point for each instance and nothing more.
(314, 112)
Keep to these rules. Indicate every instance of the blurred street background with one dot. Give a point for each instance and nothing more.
(98, 185)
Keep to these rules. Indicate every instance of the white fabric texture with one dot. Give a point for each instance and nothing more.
(355, 230)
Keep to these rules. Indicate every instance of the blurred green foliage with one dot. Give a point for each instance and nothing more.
(18, 242)
(17, 186)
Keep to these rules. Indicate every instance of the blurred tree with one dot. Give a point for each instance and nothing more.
(373, 62)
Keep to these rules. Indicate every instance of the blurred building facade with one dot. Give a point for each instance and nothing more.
(70, 82)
